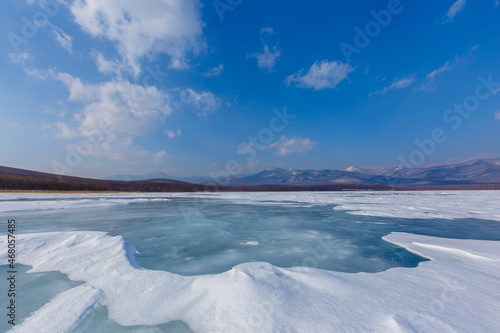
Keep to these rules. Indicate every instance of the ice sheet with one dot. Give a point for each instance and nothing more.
(403, 204)
(455, 291)
(407, 204)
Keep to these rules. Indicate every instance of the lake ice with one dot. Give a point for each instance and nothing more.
(257, 262)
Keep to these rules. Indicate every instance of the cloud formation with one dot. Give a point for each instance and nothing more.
(455, 9)
(396, 84)
(428, 83)
(62, 38)
(322, 75)
(287, 146)
(204, 102)
(116, 111)
(141, 28)
(19, 58)
(216, 71)
(267, 59)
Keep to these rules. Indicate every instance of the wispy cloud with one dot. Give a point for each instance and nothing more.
(214, 71)
(38, 74)
(62, 38)
(159, 156)
(267, 59)
(322, 75)
(497, 116)
(428, 83)
(19, 58)
(294, 145)
(396, 84)
(455, 9)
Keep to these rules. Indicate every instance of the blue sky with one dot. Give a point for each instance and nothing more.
(99, 87)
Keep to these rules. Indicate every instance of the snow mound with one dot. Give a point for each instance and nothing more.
(455, 291)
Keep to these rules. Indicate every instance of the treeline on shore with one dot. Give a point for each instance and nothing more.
(12, 179)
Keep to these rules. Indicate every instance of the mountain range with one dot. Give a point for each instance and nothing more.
(483, 171)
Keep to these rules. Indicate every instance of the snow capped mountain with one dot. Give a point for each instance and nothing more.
(471, 172)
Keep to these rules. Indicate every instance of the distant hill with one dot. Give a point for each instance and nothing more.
(20, 179)
(157, 176)
(26, 180)
(477, 174)
(160, 175)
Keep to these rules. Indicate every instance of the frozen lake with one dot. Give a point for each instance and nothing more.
(316, 239)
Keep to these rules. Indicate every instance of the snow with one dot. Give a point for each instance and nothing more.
(455, 291)
(39, 201)
(68, 307)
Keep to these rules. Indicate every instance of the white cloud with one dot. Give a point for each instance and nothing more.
(131, 108)
(396, 84)
(294, 145)
(321, 75)
(497, 116)
(203, 102)
(455, 9)
(62, 38)
(109, 66)
(114, 112)
(177, 63)
(271, 53)
(267, 59)
(159, 156)
(446, 67)
(173, 134)
(37, 74)
(19, 58)
(64, 132)
(214, 71)
(141, 28)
